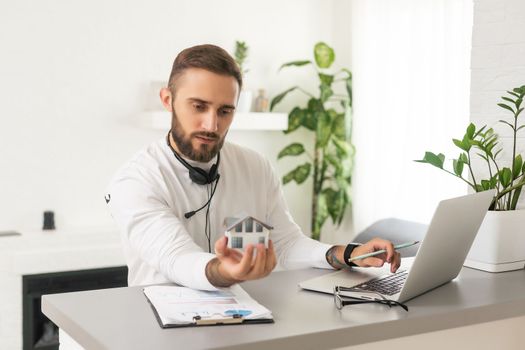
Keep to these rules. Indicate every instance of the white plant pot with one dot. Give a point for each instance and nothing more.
(500, 243)
(245, 101)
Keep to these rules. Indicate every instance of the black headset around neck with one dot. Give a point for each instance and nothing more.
(200, 177)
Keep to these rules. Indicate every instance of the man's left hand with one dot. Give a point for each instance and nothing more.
(391, 256)
(335, 255)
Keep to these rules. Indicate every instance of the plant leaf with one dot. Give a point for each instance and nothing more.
(279, 97)
(333, 203)
(299, 174)
(506, 122)
(471, 129)
(458, 167)
(335, 163)
(502, 105)
(293, 149)
(518, 163)
(324, 55)
(309, 120)
(315, 105)
(326, 92)
(348, 86)
(296, 63)
(295, 119)
(339, 126)
(324, 129)
(464, 158)
(288, 177)
(322, 211)
(494, 181)
(505, 177)
(467, 142)
(485, 184)
(461, 145)
(433, 159)
(326, 79)
(479, 131)
(508, 99)
(344, 148)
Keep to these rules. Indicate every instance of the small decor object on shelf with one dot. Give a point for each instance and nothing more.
(500, 242)
(261, 102)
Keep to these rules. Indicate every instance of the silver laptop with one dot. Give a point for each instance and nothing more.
(439, 259)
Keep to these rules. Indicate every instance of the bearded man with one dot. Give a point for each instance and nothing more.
(171, 199)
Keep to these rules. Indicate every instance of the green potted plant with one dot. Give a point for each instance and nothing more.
(246, 96)
(327, 115)
(500, 243)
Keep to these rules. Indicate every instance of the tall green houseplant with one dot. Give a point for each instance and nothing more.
(327, 115)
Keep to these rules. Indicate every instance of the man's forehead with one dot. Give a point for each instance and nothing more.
(207, 86)
(196, 77)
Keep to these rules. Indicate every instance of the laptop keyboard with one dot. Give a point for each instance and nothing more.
(388, 285)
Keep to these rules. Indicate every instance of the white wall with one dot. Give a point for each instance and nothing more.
(498, 64)
(76, 75)
(411, 63)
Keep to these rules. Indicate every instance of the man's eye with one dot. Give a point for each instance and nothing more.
(226, 111)
(199, 107)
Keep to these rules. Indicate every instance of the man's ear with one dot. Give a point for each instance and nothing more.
(166, 98)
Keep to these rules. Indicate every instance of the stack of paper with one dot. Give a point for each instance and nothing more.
(179, 306)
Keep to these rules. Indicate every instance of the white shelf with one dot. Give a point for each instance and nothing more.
(241, 121)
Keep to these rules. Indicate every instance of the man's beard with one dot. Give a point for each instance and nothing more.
(205, 153)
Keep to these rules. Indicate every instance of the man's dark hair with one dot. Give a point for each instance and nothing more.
(209, 57)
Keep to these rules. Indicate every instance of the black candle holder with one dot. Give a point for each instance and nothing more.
(49, 220)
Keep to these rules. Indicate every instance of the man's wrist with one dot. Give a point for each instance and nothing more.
(334, 256)
(214, 275)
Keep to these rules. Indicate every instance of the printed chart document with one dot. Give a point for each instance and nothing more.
(180, 306)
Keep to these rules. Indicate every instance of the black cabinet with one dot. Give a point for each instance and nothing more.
(38, 331)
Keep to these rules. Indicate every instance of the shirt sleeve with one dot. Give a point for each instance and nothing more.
(294, 249)
(151, 229)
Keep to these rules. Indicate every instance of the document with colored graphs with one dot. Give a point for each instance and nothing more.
(176, 306)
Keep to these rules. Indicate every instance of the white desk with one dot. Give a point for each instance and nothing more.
(121, 318)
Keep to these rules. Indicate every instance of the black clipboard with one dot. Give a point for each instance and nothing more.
(203, 322)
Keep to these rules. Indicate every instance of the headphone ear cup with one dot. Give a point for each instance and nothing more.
(199, 176)
(213, 173)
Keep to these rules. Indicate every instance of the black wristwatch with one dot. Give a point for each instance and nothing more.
(348, 251)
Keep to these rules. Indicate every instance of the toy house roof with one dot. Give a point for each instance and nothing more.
(230, 223)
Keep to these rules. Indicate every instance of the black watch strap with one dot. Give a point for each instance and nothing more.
(348, 251)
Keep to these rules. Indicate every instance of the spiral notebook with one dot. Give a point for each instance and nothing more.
(176, 306)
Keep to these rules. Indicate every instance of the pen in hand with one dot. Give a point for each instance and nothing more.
(378, 252)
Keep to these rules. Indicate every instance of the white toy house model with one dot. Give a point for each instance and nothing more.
(248, 230)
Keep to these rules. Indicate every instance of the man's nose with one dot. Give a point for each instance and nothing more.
(209, 122)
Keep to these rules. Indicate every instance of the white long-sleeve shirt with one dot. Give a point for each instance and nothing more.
(151, 193)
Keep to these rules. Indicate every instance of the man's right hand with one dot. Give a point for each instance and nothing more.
(231, 266)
